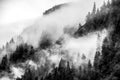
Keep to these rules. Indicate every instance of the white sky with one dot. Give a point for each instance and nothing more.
(15, 15)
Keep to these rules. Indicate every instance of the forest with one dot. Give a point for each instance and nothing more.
(106, 66)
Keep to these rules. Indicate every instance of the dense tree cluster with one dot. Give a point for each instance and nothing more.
(56, 7)
(65, 72)
(22, 53)
(98, 19)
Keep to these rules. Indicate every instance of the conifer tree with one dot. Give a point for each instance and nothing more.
(96, 60)
(94, 8)
(88, 16)
(89, 65)
(4, 64)
(83, 57)
(108, 3)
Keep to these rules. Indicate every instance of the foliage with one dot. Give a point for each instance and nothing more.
(22, 53)
(4, 65)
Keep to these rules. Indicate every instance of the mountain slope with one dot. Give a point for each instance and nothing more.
(106, 64)
(54, 8)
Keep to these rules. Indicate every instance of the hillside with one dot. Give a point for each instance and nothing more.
(36, 63)
(54, 8)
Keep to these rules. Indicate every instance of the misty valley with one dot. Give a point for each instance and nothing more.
(58, 46)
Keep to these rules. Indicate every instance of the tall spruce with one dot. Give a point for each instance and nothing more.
(94, 8)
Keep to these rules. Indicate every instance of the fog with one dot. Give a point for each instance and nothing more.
(54, 23)
(18, 14)
(53, 27)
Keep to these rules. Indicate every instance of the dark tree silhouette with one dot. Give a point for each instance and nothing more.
(22, 53)
(94, 9)
(4, 65)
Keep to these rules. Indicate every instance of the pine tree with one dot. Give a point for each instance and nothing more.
(94, 8)
(12, 40)
(108, 3)
(62, 63)
(83, 57)
(98, 11)
(96, 60)
(104, 4)
(88, 16)
(4, 64)
(80, 25)
(89, 65)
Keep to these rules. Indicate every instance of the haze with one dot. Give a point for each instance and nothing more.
(18, 14)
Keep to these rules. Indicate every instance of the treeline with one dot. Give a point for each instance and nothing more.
(56, 7)
(98, 19)
(64, 72)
